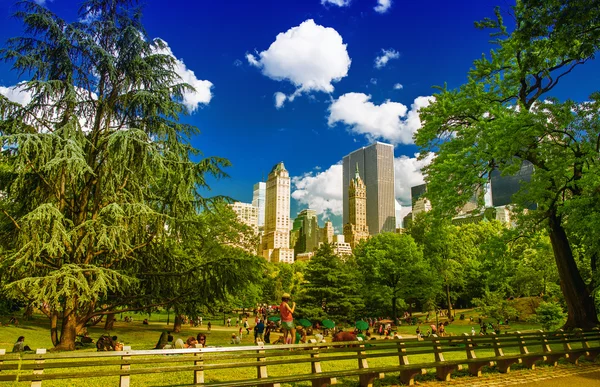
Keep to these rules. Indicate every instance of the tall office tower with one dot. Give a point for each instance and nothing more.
(247, 214)
(307, 229)
(275, 244)
(258, 200)
(504, 187)
(376, 166)
(326, 233)
(356, 229)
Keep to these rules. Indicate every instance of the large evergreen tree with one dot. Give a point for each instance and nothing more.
(98, 182)
(505, 116)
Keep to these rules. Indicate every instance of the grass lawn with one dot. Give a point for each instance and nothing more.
(140, 336)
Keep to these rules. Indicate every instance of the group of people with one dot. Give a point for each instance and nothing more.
(166, 341)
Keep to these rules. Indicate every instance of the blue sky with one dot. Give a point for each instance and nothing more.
(325, 60)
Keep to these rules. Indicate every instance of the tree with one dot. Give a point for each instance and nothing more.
(331, 288)
(550, 315)
(439, 240)
(504, 116)
(393, 266)
(99, 189)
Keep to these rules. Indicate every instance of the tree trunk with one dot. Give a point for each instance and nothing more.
(448, 301)
(177, 324)
(68, 333)
(580, 304)
(110, 321)
(54, 327)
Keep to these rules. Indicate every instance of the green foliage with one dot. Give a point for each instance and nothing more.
(99, 186)
(394, 270)
(331, 288)
(505, 116)
(494, 305)
(550, 315)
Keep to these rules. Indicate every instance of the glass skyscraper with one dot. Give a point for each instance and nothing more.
(376, 166)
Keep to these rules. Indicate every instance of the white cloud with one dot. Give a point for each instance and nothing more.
(408, 172)
(321, 191)
(339, 3)
(16, 94)
(391, 121)
(401, 212)
(309, 56)
(383, 6)
(42, 2)
(387, 55)
(373, 81)
(398, 86)
(279, 99)
(202, 93)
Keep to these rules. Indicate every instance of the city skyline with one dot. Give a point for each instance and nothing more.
(361, 77)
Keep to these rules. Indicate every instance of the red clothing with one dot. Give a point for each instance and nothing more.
(285, 313)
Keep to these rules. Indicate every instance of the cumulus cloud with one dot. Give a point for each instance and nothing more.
(386, 55)
(309, 56)
(16, 94)
(42, 2)
(391, 121)
(339, 3)
(320, 191)
(398, 86)
(383, 6)
(408, 172)
(202, 93)
(279, 99)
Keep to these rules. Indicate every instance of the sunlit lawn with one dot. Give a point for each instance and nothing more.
(140, 336)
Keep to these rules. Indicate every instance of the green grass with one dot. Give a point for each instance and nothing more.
(139, 336)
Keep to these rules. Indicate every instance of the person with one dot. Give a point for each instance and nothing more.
(247, 326)
(201, 339)
(235, 339)
(267, 335)
(163, 340)
(20, 345)
(237, 321)
(418, 331)
(200, 320)
(145, 322)
(209, 325)
(472, 331)
(229, 321)
(259, 331)
(191, 342)
(287, 319)
(300, 335)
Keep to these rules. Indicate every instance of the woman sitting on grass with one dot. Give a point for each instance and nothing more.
(20, 345)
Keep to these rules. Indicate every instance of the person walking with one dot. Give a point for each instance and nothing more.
(287, 318)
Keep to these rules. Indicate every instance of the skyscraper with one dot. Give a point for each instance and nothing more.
(258, 201)
(247, 214)
(376, 166)
(276, 237)
(326, 233)
(356, 229)
(308, 232)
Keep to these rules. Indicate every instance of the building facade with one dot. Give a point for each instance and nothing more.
(258, 201)
(356, 229)
(275, 244)
(376, 166)
(326, 233)
(247, 214)
(307, 228)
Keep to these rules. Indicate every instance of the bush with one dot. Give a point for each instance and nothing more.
(550, 315)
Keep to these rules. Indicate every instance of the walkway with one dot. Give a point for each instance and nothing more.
(587, 374)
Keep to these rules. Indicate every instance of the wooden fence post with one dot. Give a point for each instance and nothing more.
(407, 376)
(366, 380)
(442, 371)
(39, 369)
(199, 374)
(315, 367)
(125, 379)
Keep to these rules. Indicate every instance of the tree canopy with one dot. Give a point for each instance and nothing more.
(99, 185)
(505, 116)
